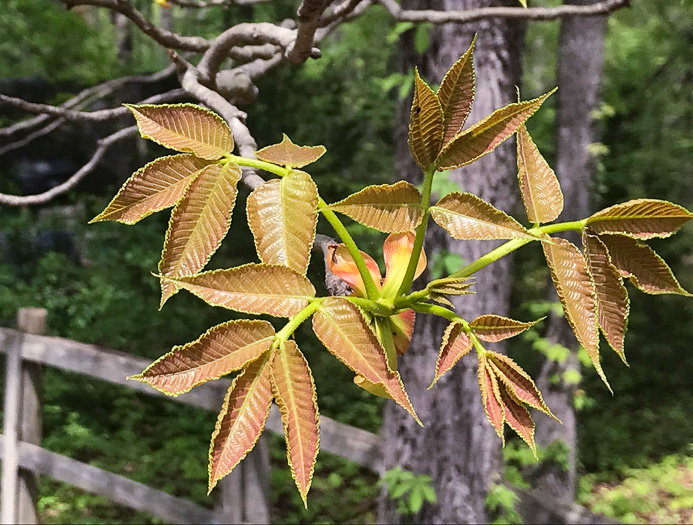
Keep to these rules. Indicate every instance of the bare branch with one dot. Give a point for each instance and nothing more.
(41, 198)
(472, 15)
(342, 11)
(309, 13)
(194, 4)
(32, 136)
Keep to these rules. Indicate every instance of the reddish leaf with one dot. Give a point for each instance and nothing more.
(613, 304)
(490, 398)
(198, 224)
(186, 128)
(456, 344)
(426, 125)
(294, 391)
(484, 136)
(641, 218)
(340, 263)
(456, 94)
(402, 326)
(641, 265)
(156, 186)
(494, 328)
(241, 420)
(518, 418)
(286, 153)
(220, 350)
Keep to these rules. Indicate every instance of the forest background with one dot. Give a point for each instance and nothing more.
(635, 449)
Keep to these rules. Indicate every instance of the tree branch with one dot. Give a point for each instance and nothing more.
(193, 4)
(472, 15)
(309, 13)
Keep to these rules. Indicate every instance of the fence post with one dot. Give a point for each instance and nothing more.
(30, 321)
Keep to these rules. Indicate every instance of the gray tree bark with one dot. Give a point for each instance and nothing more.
(458, 447)
(580, 61)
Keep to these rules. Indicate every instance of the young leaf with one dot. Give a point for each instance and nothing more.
(450, 286)
(241, 420)
(517, 382)
(641, 219)
(286, 153)
(456, 344)
(154, 187)
(484, 136)
(641, 265)
(541, 192)
(282, 216)
(456, 94)
(388, 208)
(185, 127)
(494, 328)
(294, 391)
(491, 398)
(576, 291)
(198, 224)
(612, 298)
(465, 216)
(425, 125)
(251, 288)
(340, 326)
(224, 348)
(517, 417)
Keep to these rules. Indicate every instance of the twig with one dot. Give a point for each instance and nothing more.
(309, 13)
(193, 4)
(342, 11)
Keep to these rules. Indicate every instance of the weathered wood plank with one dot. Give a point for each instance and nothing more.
(112, 486)
(11, 421)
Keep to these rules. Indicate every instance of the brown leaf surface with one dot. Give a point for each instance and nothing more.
(241, 420)
(185, 127)
(252, 288)
(294, 391)
(491, 398)
(613, 304)
(425, 125)
(641, 218)
(341, 328)
(156, 186)
(576, 291)
(465, 216)
(390, 208)
(198, 224)
(455, 345)
(220, 350)
(641, 265)
(282, 216)
(518, 418)
(484, 136)
(286, 153)
(494, 328)
(456, 94)
(541, 192)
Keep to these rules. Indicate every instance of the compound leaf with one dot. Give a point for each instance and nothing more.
(390, 208)
(294, 391)
(456, 94)
(286, 153)
(156, 186)
(494, 328)
(455, 345)
(222, 349)
(640, 218)
(184, 127)
(425, 125)
(282, 216)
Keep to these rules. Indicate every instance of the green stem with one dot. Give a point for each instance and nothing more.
(296, 320)
(441, 312)
(372, 307)
(385, 336)
(420, 234)
(260, 165)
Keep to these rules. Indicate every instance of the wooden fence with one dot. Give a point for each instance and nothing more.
(242, 496)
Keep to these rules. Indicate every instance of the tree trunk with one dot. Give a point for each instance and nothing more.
(458, 447)
(580, 60)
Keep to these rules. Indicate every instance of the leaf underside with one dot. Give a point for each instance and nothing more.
(641, 218)
(455, 345)
(286, 153)
(494, 328)
(490, 398)
(425, 125)
(456, 94)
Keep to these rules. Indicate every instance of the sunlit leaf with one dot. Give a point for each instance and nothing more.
(517, 417)
(185, 127)
(541, 192)
(294, 391)
(576, 291)
(425, 125)
(491, 398)
(494, 328)
(484, 136)
(641, 218)
(517, 382)
(397, 250)
(641, 265)
(455, 345)
(199, 223)
(252, 288)
(465, 216)
(222, 349)
(282, 216)
(286, 153)
(370, 387)
(154, 187)
(241, 420)
(387, 207)
(612, 298)
(342, 329)
(456, 94)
